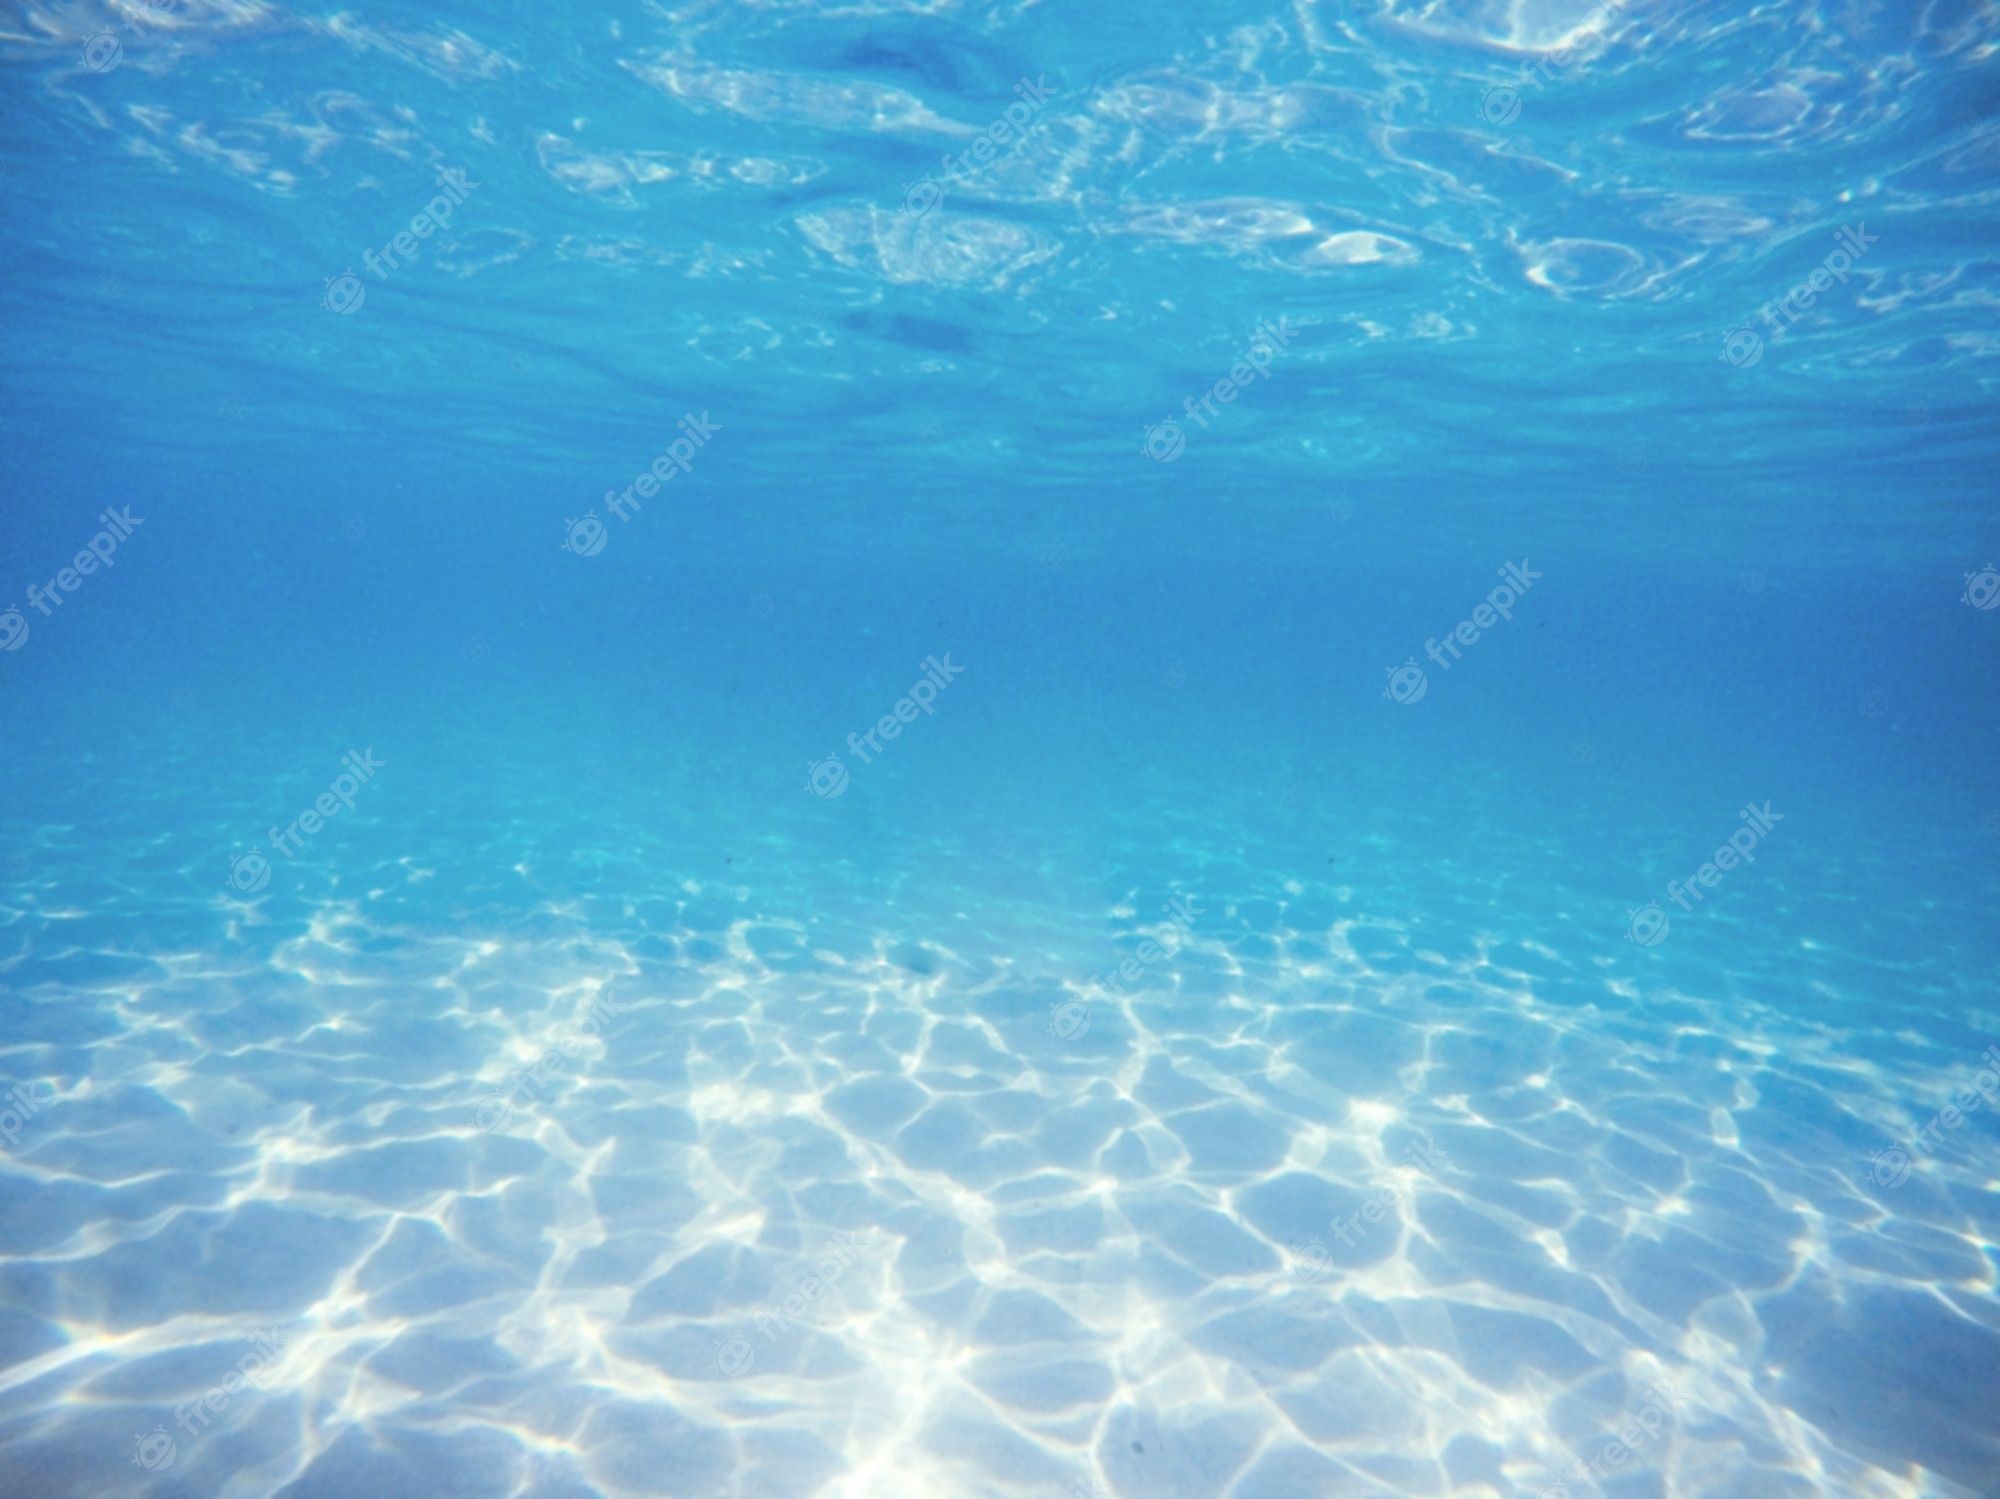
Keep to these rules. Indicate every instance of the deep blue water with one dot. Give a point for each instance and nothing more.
(1289, 790)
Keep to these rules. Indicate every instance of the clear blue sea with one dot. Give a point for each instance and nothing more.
(912, 750)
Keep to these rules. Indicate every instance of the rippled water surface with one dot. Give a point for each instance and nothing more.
(813, 751)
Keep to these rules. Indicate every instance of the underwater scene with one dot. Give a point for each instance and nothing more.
(911, 749)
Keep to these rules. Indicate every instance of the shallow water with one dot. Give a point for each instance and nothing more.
(1269, 1017)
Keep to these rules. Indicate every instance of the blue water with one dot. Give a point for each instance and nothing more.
(1026, 751)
